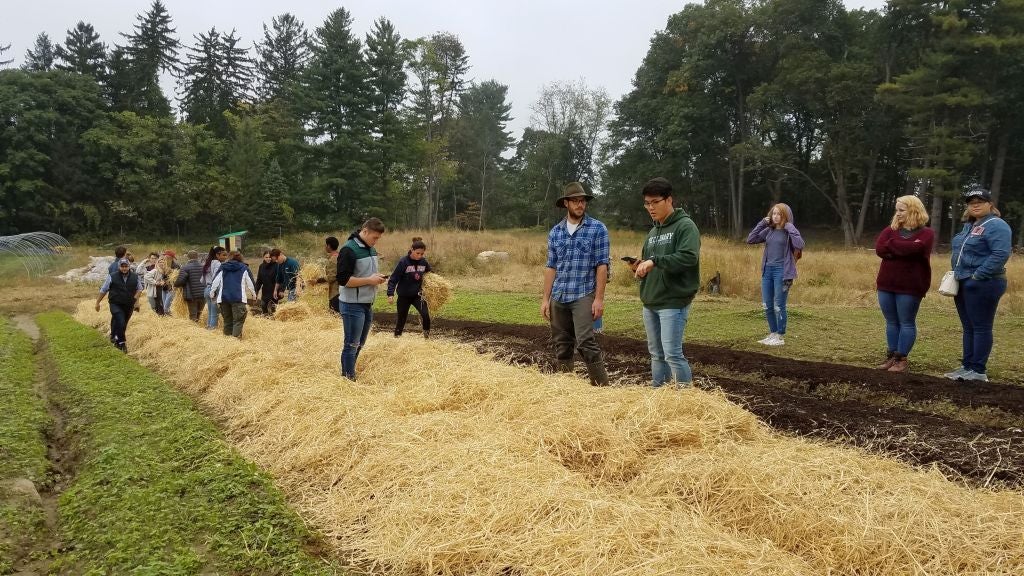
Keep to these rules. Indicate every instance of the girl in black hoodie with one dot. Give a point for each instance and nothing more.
(265, 278)
(408, 280)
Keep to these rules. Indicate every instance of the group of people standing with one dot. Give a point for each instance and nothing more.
(578, 269)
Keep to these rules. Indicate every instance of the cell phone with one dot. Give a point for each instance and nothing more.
(628, 259)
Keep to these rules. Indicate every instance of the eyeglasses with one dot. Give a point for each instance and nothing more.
(649, 203)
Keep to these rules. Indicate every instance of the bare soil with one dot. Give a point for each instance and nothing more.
(920, 419)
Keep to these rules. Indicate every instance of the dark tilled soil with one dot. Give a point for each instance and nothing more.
(855, 408)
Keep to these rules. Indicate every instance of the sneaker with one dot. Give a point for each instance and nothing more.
(899, 365)
(956, 374)
(779, 340)
(767, 339)
(972, 375)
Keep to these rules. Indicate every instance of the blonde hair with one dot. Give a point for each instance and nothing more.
(783, 211)
(917, 216)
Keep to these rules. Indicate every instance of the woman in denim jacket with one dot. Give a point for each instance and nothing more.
(979, 255)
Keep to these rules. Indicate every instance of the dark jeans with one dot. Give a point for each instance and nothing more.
(268, 304)
(119, 317)
(417, 302)
(976, 304)
(572, 326)
(234, 314)
(335, 305)
(355, 321)
(900, 311)
(195, 308)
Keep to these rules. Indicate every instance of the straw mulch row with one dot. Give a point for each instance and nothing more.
(442, 461)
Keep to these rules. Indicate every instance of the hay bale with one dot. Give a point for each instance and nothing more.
(468, 466)
(437, 291)
(293, 311)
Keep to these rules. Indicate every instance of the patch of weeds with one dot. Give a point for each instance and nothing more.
(22, 448)
(157, 489)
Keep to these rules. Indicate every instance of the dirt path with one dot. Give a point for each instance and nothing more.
(39, 558)
(971, 431)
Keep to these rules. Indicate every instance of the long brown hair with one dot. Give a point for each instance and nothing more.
(783, 210)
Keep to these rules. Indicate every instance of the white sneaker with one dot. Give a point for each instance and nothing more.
(956, 374)
(778, 340)
(972, 375)
(767, 339)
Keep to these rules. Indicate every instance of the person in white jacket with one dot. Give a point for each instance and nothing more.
(231, 288)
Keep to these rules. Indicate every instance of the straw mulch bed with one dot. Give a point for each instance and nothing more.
(442, 461)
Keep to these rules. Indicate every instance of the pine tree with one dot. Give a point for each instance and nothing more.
(39, 58)
(83, 53)
(282, 56)
(270, 209)
(151, 49)
(200, 95)
(386, 60)
(2, 50)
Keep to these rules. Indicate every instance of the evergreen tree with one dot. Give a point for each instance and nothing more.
(3, 49)
(151, 49)
(339, 114)
(481, 136)
(386, 59)
(215, 79)
(269, 216)
(281, 57)
(82, 52)
(39, 58)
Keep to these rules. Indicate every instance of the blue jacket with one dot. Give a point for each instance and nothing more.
(231, 282)
(796, 242)
(985, 246)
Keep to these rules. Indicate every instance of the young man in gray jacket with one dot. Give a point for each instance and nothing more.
(358, 277)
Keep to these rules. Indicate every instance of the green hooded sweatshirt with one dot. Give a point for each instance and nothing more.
(674, 246)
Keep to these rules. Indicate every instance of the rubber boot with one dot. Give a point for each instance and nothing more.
(563, 365)
(598, 374)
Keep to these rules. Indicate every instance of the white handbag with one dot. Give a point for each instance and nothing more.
(949, 285)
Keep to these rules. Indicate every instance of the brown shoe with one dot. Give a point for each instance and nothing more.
(888, 362)
(900, 365)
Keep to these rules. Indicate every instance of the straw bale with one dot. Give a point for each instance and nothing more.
(437, 291)
(439, 460)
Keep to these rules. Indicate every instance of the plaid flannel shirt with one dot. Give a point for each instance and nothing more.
(575, 258)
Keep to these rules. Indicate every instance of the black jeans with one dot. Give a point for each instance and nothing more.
(416, 302)
(119, 317)
(195, 307)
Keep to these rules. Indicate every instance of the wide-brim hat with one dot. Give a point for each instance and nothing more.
(572, 190)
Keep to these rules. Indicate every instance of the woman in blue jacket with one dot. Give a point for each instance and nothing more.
(407, 280)
(783, 245)
(979, 255)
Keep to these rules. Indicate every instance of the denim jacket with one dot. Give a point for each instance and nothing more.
(985, 246)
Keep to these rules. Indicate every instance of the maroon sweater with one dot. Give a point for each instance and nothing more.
(905, 268)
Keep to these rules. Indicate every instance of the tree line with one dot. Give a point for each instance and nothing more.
(740, 103)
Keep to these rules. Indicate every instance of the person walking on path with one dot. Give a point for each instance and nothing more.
(190, 280)
(231, 287)
(979, 255)
(122, 289)
(669, 272)
(331, 245)
(287, 275)
(266, 277)
(156, 281)
(359, 275)
(407, 281)
(575, 277)
(904, 276)
(782, 247)
(211, 266)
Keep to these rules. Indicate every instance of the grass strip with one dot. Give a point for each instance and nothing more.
(157, 489)
(23, 421)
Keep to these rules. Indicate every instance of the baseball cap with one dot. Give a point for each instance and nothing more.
(170, 253)
(977, 191)
(124, 261)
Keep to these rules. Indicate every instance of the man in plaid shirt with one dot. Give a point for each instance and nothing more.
(574, 281)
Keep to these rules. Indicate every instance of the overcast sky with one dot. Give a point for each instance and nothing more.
(524, 44)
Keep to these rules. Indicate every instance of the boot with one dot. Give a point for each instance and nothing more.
(900, 364)
(889, 361)
(598, 374)
(563, 365)
(426, 333)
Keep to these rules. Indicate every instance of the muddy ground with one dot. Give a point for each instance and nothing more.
(971, 431)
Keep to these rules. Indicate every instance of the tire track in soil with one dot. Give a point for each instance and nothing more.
(976, 454)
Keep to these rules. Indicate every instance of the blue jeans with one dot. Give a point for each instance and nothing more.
(211, 309)
(774, 292)
(665, 343)
(976, 304)
(168, 295)
(355, 322)
(900, 311)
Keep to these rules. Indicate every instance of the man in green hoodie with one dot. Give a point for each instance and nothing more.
(669, 275)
